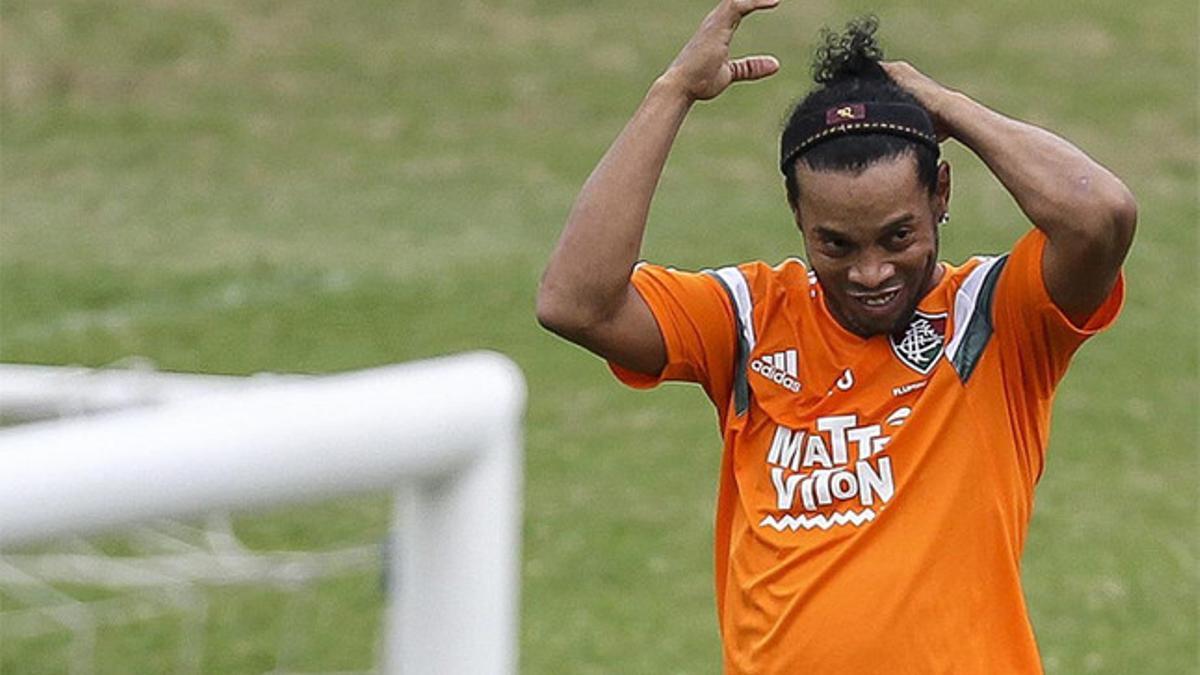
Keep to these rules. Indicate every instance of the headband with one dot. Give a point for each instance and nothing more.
(898, 119)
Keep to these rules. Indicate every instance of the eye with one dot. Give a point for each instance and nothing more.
(900, 237)
(836, 246)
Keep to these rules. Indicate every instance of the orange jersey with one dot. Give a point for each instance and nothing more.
(875, 493)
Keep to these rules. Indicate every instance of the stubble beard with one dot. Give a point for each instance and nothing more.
(903, 317)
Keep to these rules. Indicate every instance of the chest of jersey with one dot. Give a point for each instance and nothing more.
(837, 426)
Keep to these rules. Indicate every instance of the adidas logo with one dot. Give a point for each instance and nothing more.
(779, 368)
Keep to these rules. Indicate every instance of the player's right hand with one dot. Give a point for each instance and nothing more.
(703, 68)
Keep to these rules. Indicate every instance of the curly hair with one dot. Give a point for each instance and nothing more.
(846, 69)
(853, 54)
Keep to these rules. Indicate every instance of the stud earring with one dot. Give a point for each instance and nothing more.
(945, 218)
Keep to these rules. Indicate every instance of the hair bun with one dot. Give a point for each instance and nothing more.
(854, 54)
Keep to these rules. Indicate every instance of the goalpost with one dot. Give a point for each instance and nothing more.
(445, 433)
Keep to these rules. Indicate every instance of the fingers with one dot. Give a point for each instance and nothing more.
(733, 10)
(898, 69)
(744, 7)
(750, 68)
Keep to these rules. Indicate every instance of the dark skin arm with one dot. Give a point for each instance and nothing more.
(1086, 212)
(585, 295)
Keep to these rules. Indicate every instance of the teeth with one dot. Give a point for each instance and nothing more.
(879, 300)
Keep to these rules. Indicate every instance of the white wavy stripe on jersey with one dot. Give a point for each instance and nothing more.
(964, 302)
(740, 290)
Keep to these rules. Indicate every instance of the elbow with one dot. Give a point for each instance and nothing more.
(1124, 215)
(569, 315)
(1105, 227)
(549, 315)
(557, 313)
(548, 310)
(1118, 216)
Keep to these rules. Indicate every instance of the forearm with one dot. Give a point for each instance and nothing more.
(588, 274)
(585, 294)
(1060, 189)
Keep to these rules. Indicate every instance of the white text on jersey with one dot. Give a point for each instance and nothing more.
(780, 368)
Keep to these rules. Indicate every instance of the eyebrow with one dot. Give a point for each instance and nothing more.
(828, 233)
(898, 221)
(892, 224)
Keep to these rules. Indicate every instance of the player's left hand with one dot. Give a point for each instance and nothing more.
(928, 92)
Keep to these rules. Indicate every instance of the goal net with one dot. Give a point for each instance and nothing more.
(118, 552)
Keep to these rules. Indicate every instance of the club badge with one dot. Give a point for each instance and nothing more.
(921, 342)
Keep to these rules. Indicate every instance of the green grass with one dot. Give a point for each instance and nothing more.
(308, 186)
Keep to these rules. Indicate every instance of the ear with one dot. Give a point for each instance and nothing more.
(941, 192)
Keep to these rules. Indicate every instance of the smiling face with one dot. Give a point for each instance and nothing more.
(872, 240)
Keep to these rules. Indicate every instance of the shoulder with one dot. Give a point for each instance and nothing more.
(969, 274)
(760, 285)
(750, 289)
(1009, 274)
(1024, 256)
(766, 297)
(763, 279)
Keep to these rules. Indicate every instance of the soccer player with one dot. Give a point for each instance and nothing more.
(884, 415)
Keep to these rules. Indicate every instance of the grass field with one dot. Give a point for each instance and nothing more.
(305, 186)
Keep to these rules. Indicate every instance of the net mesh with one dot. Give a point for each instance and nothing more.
(191, 598)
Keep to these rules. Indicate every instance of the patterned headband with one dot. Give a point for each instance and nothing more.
(898, 119)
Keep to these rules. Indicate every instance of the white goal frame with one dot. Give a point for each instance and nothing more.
(446, 433)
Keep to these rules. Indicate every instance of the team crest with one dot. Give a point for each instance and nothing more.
(921, 342)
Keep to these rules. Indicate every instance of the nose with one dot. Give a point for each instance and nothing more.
(871, 271)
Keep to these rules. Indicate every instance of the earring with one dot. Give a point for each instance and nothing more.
(945, 218)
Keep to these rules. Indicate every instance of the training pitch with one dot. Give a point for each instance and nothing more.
(309, 186)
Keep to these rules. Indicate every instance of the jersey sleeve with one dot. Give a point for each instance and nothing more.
(1027, 317)
(1037, 341)
(695, 318)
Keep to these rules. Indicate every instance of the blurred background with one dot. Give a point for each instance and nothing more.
(299, 186)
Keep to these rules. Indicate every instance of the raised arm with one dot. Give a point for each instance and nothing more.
(585, 295)
(1086, 212)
